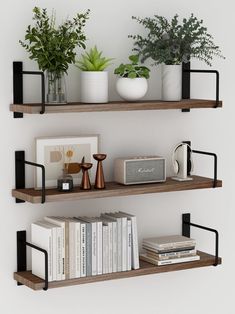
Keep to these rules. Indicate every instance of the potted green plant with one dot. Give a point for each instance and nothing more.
(53, 47)
(94, 78)
(132, 83)
(170, 43)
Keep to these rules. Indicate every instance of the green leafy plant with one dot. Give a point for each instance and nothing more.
(93, 61)
(53, 47)
(133, 69)
(170, 42)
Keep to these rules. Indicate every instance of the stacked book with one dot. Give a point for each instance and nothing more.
(169, 250)
(85, 246)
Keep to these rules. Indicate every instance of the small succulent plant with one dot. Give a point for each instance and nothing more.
(133, 69)
(93, 61)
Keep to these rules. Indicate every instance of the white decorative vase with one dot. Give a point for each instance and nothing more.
(132, 89)
(172, 82)
(94, 86)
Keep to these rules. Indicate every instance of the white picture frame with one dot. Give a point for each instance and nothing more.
(51, 152)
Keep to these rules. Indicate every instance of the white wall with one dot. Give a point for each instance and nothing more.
(205, 290)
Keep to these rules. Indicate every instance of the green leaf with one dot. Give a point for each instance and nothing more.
(93, 61)
(134, 59)
(132, 75)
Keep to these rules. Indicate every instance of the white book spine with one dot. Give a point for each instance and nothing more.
(59, 260)
(41, 237)
(54, 254)
(114, 246)
(63, 251)
(94, 249)
(135, 247)
(119, 244)
(110, 238)
(71, 250)
(77, 249)
(61, 224)
(105, 243)
(124, 243)
(118, 258)
(99, 248)
(83, 250)
(129, 244)
(178, 260)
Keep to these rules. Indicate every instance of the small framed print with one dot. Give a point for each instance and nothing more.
(57, 153)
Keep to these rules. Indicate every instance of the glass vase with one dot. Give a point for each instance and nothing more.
(55, 88)
(65, 182)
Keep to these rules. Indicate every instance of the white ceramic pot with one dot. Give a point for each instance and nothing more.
(132, 89)
(172, 82)
(94, 86)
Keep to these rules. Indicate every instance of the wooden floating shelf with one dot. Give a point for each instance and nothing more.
(28, 279)
(116, 106)
(114, 189)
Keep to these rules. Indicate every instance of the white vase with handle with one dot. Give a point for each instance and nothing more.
(94, 87)
(172, 82)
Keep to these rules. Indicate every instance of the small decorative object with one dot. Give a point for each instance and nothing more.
(140, 170)
(94, 80)
(58, 153)
(65, 182)
(53, 47)
(182, 162)
(85, 184)
(170, 43)
(99, 178)
(132, 84)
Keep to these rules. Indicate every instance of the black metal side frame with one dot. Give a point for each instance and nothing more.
(186, 70)
(215, 163)
(22, 256)
(186, 224)
(18, 86)
(189, 165)
(20, 163)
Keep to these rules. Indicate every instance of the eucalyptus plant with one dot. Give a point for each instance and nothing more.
(52, 46)
(133, 69)
(172, 42)
(93, 61)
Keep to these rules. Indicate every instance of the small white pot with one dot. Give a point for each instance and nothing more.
(132, 89)
(172, 82)
(94, 86)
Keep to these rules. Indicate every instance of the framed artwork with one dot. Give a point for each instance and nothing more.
(57, 153)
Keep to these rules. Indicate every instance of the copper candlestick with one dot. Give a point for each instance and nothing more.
(99, 178)
(85, 184)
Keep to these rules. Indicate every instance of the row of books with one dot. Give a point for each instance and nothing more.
(169, 250)
(85, 246)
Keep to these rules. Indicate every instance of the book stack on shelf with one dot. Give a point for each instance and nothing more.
(169, 250)
(85, 246)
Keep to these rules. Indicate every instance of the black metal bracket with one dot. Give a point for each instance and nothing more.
(20, 163)
(186, 83)
(215, 163)
(22, 255)
(18, 86)
(189, 165)
(186, 224)
(186, 70)
(189, 158)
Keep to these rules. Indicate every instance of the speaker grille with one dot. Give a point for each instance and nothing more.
(145, 171)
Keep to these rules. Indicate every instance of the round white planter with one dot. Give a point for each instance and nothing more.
(171, 82)
(94, 86)
(132, 89)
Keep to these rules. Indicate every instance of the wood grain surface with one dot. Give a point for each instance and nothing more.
(116, 106)
(35, 283)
